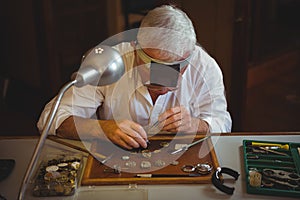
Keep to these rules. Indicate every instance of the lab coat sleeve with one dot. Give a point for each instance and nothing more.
(210, 104)
(82, 102)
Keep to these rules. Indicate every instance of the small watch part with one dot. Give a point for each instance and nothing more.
(68, 190)
(130, 164)
(255, 178)
(51, 176)
(203, 168)
(62, 164)
(63, 178)
(145, 164)
(73, 173)
(174, 162)
(72, 181)
(157, 151)
(59, 188)
(164, 144)
(180, 146)
(116, 169)
(52, 168)
(125, 157)
(188, 168)
(160, 163)
(75, 165)
(146, 153)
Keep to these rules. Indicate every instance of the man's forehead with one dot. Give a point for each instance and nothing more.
(162, 55)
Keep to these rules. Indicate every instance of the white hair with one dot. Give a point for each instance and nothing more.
(168, 29)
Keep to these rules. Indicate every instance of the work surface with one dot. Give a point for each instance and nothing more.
(228, 149)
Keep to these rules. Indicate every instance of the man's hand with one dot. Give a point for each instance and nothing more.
(179, 119)
(126, 133)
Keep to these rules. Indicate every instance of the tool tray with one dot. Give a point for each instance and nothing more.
(272, 168)
(94, 173)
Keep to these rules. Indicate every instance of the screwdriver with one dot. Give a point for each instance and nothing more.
(281, 146)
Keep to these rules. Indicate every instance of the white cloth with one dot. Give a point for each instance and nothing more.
(201, 91)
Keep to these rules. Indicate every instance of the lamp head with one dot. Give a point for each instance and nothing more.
(102, 66)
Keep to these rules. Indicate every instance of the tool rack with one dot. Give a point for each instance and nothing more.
(272, 168)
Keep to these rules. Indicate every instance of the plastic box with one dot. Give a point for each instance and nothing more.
(57, 176)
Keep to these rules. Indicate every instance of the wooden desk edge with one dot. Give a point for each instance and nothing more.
(162, 135)
(258, 133)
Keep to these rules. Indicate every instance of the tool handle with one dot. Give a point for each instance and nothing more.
(282, 146)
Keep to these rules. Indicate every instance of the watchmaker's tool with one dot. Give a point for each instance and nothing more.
(73, 146)
(184, 148)
(264, 144)
(272, 177)
(273, 151)
(166, 175)
(219, 183)
(153, 129)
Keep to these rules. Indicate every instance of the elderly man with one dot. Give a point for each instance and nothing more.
(170, 84)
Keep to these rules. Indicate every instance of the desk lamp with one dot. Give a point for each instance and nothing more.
(102, 66)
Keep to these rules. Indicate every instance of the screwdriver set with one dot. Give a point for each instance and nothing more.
(272, 168)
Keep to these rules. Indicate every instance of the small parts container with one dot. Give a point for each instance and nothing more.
(57, 176)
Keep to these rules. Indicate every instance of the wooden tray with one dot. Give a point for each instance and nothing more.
(200, 153)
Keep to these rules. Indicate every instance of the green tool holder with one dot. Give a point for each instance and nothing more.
(261, 157)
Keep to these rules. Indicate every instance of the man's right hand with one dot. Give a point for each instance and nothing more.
(125, 133)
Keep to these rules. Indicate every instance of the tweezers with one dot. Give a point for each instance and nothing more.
(149, 129)
(102, 158)
(272, 151)
(188, 146)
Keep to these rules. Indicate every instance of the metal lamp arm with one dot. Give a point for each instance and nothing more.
(43, 137)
